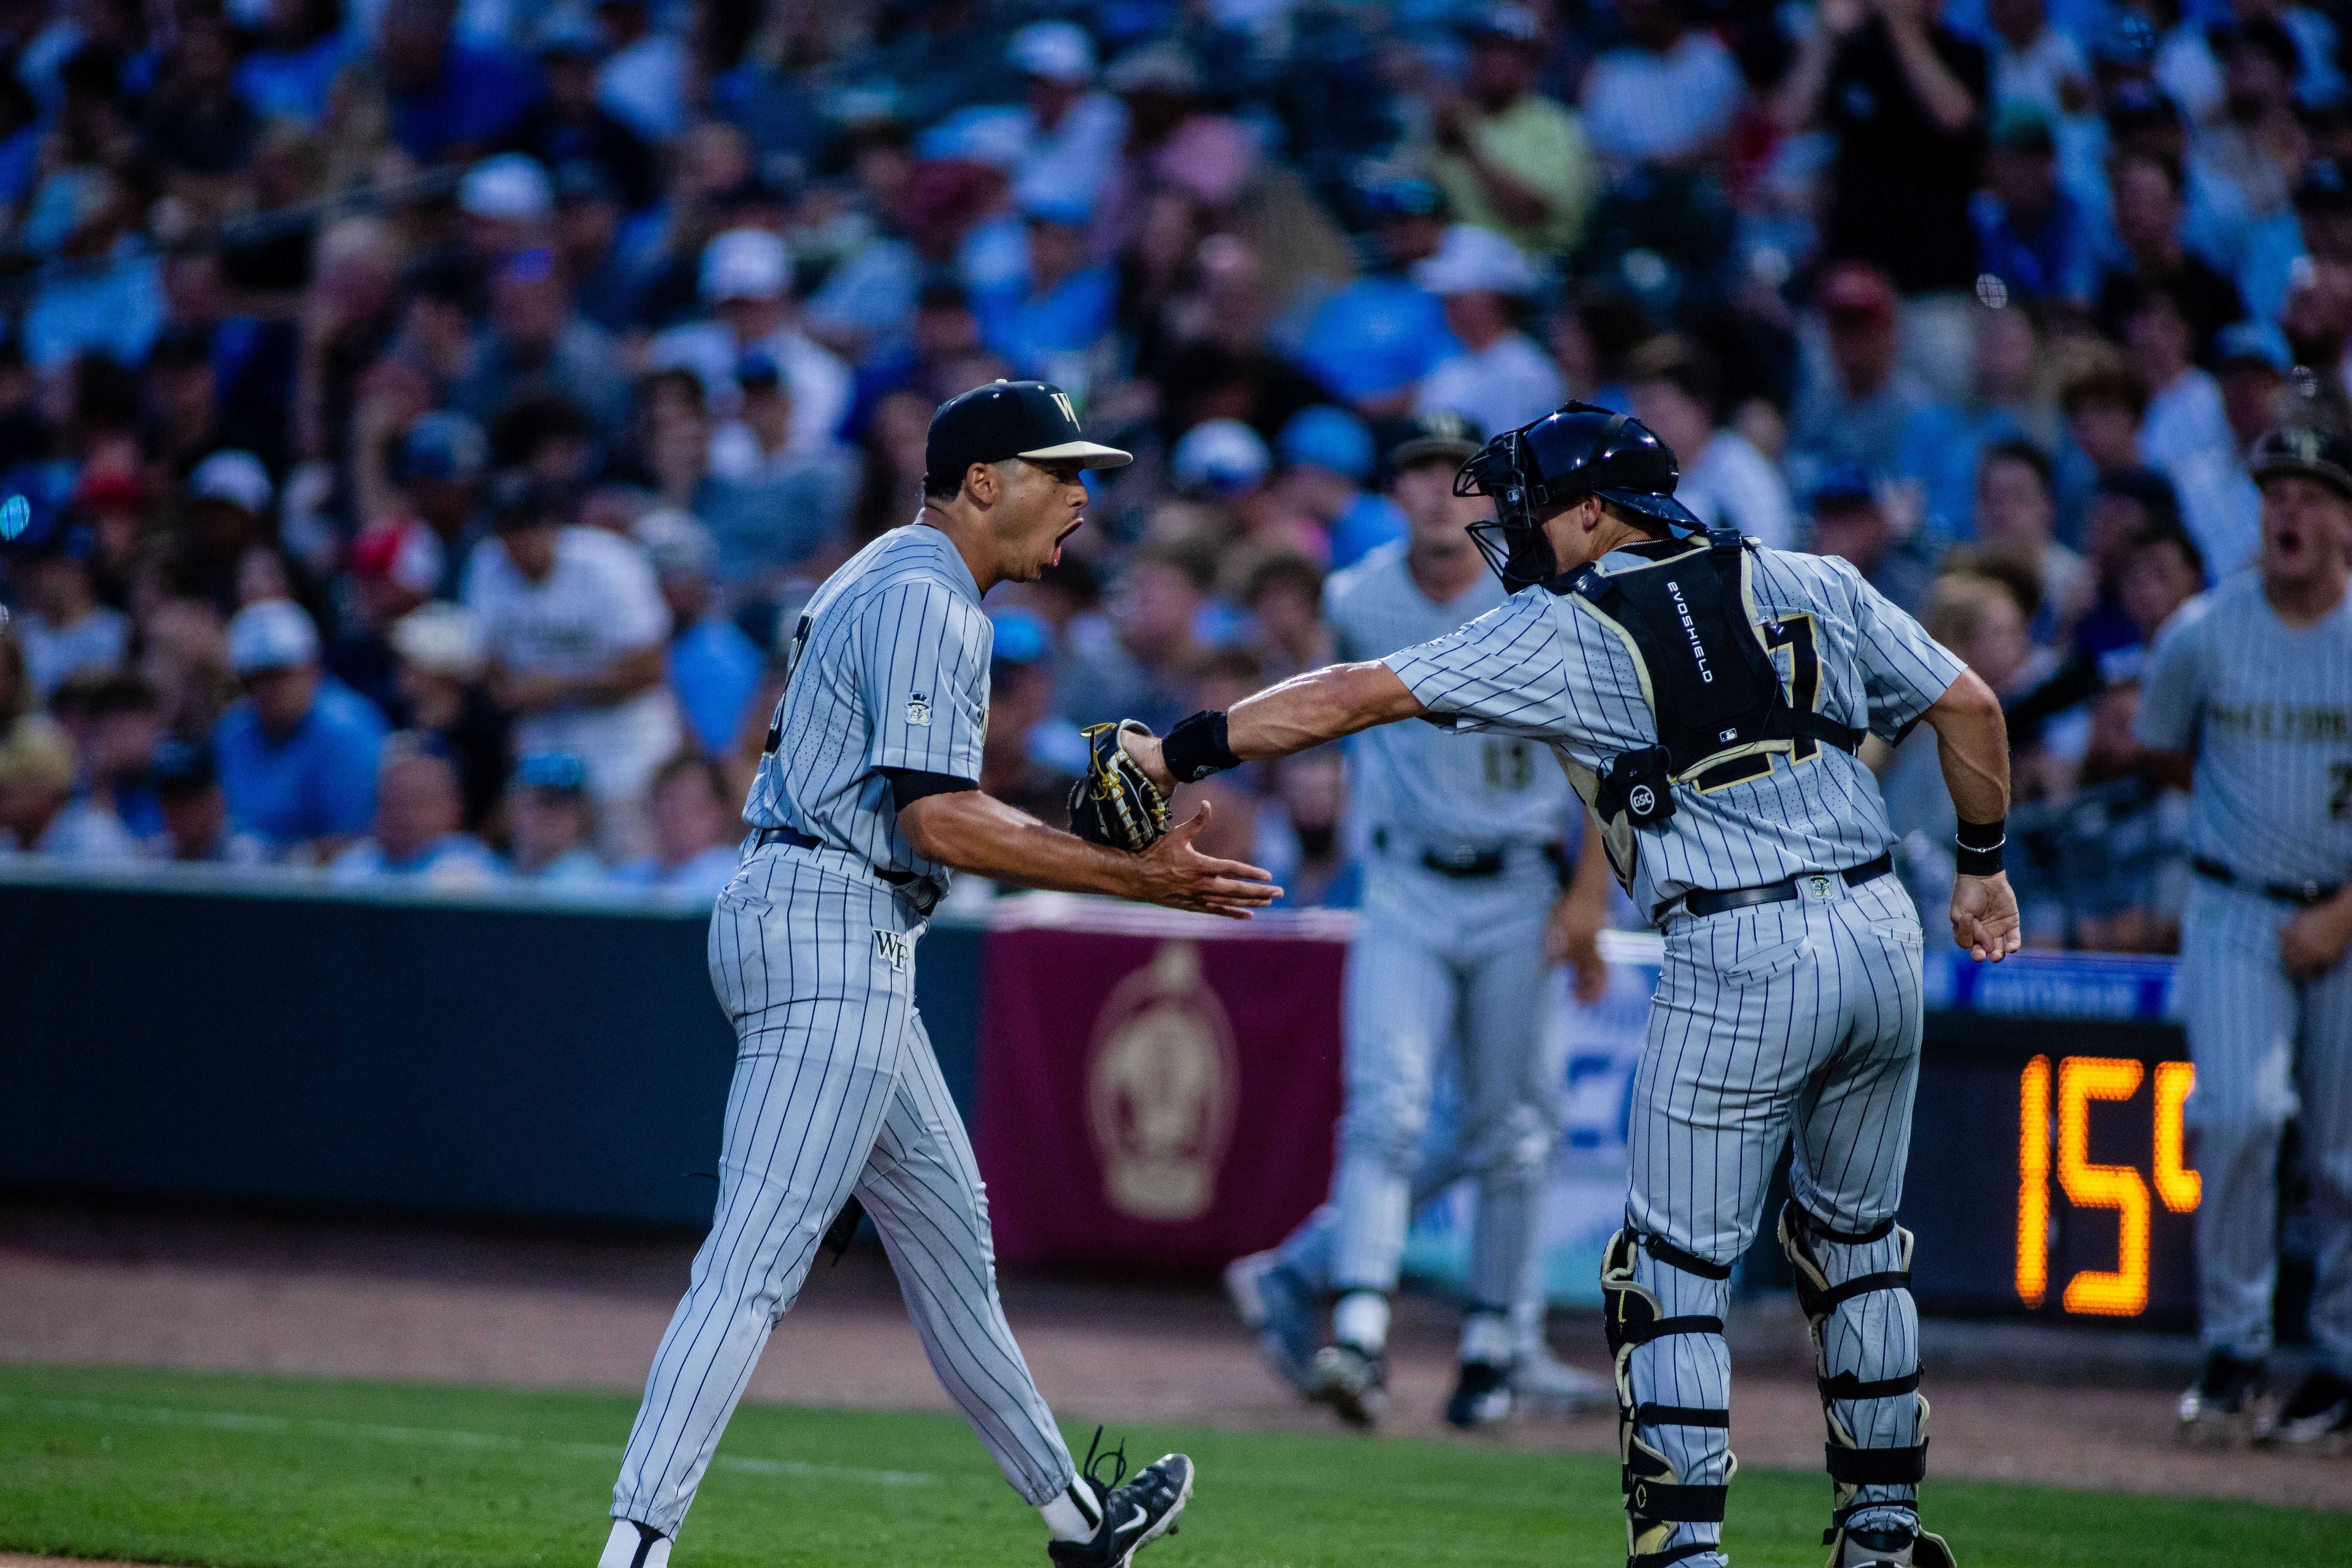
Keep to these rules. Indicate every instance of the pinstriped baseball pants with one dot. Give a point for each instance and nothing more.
(1798, 1019)
(2267, 1047)
(835, 1092)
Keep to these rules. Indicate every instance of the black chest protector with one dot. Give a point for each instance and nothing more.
(1707, 673)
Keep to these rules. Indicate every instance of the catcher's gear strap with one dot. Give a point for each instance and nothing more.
(1707, 672)
(909, 786)
(1660, 1328)
(1647, 1499)
(1877, 1466)
(1816, 1227)
(1682, 1416)
(1674, 1257)
(1818, 1303)
(1846, 1385)
(1675, 1554)
(1196, 748)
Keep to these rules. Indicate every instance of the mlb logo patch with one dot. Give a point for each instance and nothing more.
(893, 948)
(918, 708)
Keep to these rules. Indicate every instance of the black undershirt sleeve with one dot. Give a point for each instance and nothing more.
(909, 786)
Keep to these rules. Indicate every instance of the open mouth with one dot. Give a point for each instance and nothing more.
(1054, 556)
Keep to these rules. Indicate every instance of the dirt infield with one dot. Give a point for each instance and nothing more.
(85, 1287)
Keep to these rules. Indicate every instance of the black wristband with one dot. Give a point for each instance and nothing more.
(1196, 748)
(1979, 848)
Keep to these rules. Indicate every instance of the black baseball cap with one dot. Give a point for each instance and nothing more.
(1005, 419)
(2320, 454)
(1437, 432)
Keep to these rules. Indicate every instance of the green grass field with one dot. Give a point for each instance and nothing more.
(257, 1472)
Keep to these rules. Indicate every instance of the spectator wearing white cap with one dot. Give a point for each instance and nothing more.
(747, 283)
(713, 668)
(696, 824)
(1501, 379)
(443, 660)
(1073, 133)
(508, 202)
(578, 635)
(297, 752)
(414, 837)
(224, 520)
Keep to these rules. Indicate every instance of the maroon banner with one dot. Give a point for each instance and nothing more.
(1162, 1097)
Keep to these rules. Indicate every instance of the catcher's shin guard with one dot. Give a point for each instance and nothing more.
(1855, 1290)
(1658, 1500)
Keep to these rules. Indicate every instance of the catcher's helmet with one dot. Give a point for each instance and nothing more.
(1576, 451)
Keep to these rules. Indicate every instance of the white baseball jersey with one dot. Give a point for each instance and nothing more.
(1540, 667)
(2268, 711)
(1445, 789)
(889, 670)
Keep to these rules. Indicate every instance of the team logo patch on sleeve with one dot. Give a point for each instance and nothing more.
(893, 948)
(918, 708)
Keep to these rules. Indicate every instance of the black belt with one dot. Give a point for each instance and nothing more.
(2303, 893)
(1706, 901)
(1461, 865)
(799, 840)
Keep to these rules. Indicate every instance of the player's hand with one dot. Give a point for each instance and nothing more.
(1144, 750)
(1984, 917)
(2314, 941)
(1573, 936)
(1172, 873)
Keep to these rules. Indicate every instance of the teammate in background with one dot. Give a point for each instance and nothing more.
(1707, 696)
(2248, 699)
(1458, 895)
(865, 797)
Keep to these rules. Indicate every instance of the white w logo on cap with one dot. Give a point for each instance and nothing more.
(1062, 401)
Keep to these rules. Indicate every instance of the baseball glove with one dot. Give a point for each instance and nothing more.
(1112, 802)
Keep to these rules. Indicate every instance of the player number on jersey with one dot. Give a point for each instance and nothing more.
(1795, 633)
(1510, 764)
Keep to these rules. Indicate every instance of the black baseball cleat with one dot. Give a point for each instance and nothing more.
(1352, 1382)
(1134, 1513)
(2222, 1398)
(1897, 1546)
(1482, 1395)
(2319, 1408)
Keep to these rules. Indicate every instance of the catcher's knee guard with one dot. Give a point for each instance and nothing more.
(1656, 1498)
(1851, 1465)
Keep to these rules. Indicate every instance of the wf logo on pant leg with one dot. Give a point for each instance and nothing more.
(893, 948)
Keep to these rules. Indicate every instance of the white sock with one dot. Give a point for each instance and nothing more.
(1361, 1319)
(1071, 1515)
(1486, 1337)
(621, 1548)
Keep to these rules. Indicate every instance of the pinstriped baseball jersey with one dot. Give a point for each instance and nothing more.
(2268, 711)
(888, 669)
(1541, 667)
(1440, 786)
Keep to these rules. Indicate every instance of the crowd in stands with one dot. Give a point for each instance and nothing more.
(419, 418)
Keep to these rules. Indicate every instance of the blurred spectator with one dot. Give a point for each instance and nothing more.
(1678, 391)
(415, 834)
(449, 98)
(2129, 505)
(1029, 756)
(1140, 661)
(534, 343)
(713, 668)
(643, 76)
(1851, 522)
(1219, 460)
(2183, 424)
(1857, 404)
(37, 771)
(1071, 134)
(1371, 344)
(443, 658)
(298, 753)
(299, 50)
(1317, 868)
(577, 632)
(1067, 303)
(569, 124)
(1666, 98)
(1903, 95)
(225, 521)
(747, 285)
(549, 824)
(2102, 398)
(1283, 596)
(2015, 518)
(2148, 219)
(116, 726)
(197, 828)
(1327, 460)
(2219, 502)
(2031, 233)
(1511, 160)
(1500, 378)
(443, 460)
(394, 567)
(109, 299)
(695, 822)
(63, 628)
(2158, 571)
(2035, 65)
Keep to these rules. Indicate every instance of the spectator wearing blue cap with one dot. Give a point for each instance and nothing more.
(1067, 305)
(197, 829)
(298, 753)
(1030, 754)
(414, 836)
(696, 818)
(714, 668)
(1328, 460)
(1371, 344)
(1851, 522)
(62, 626)
(549, 824)
(440, 464)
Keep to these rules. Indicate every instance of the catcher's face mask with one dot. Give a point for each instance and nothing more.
(1514, 542)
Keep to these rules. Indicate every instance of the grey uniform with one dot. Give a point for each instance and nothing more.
(836, 1092)
(2268, 713)
(1440, 961)
(1801, 1016)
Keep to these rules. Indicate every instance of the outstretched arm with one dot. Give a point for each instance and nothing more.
(1972, 744)
(977, 832)
(1302, 712)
